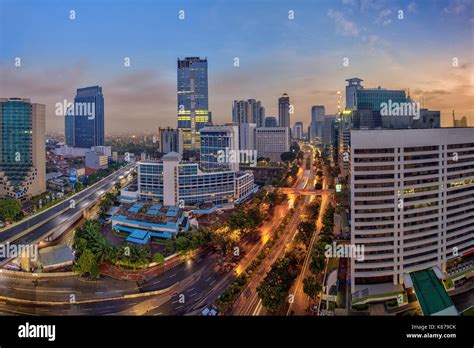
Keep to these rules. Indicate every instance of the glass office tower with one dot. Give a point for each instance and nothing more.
(193, 103)
(85, 121)
(22, 149)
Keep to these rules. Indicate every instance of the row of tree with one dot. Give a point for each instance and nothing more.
(273, 290)
(228, 297)
(312, 285)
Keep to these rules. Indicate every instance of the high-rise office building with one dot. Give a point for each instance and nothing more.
(271, 142)
(193, 101)
(271, 121)
(411, 203)
(171, 140)
(328, 129)
(284, 111)
(317, 121)
(22, 148)
(360, 98)
(248, 111)
(247, 136)
(219, 148)
(298, 130)
(85, 119)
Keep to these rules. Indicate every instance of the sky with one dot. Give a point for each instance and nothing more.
(297, 47)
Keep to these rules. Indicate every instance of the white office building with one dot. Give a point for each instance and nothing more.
(412, 202)
(271, 142)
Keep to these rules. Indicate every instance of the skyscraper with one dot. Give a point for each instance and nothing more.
(193, 101)
(284, 111)
(171, 140)
(85, 119)
(317, 121)
(22, 144)
(271, 121)
(248, 111)
(411, 203)
(298, 130)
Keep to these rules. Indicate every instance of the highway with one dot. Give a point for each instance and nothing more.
(39, 226)
(301, 301)
(249, 303)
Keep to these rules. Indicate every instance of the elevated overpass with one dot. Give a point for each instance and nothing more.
(305, 192)
(59, 217)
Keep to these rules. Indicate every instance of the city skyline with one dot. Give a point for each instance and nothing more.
(285, 55)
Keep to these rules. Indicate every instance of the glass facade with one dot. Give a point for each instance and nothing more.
(211, 144)
(193, 107)
(16, 140)
(371, 99)
(83, 129)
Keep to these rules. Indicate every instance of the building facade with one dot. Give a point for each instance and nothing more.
(298, 130)
(22, 148)
(219, 148)
(174, 182)
(317, 121)
(84, 121)
(284, 111)
(271, 121)
(171, 140)
(248, 111)
(271, 142)
(193, 100)
(412, 201)
(247, 136)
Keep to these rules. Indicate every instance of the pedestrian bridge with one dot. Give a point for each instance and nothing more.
(305, 192)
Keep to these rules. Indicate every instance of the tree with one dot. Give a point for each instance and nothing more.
(295, 148)
(317, 263)
(311, 286)
(10, 209)
(288, 156)
(182, 243)
(159, 258)
(87, 265)
(274, 288)
(305, 231)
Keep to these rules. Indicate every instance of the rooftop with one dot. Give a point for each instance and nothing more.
(431, 294)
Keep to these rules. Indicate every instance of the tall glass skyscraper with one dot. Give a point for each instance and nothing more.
(85, 120)
(193, 100)
(284, 111)
(22, 148)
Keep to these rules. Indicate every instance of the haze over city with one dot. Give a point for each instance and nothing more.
(302, 56)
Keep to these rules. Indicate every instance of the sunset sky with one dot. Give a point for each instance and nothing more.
(302, 57)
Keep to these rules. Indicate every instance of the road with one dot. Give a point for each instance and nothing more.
(249, 303)
(39, 226)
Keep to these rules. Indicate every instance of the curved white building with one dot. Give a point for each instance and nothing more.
(412, 201)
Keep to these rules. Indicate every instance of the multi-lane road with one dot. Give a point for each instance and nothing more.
(60, 216)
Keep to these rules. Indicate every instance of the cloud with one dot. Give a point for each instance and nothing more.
(343, 25)
(412, 7)
(136, 101)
